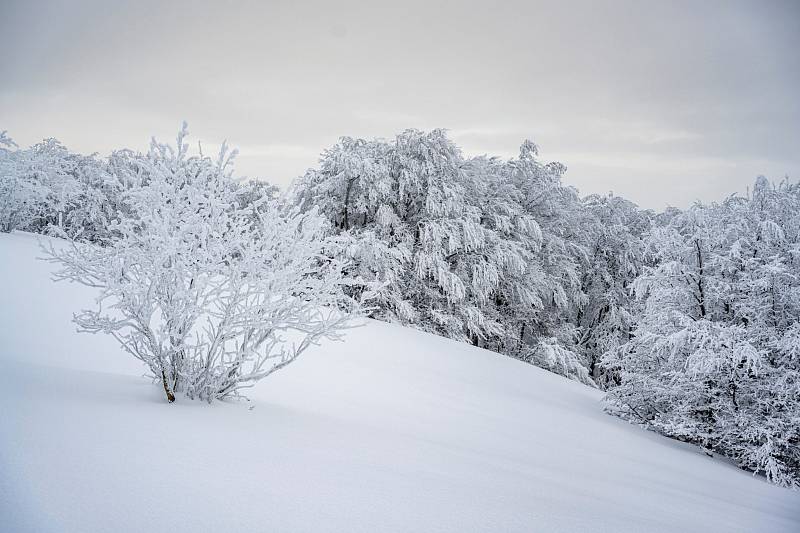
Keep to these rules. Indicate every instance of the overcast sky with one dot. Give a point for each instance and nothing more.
(662, 102)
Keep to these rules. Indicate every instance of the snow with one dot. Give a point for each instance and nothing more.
(390, 430)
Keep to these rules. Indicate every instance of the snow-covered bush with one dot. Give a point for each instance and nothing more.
(210, 294)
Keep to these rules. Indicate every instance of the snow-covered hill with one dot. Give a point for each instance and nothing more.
(391, 430)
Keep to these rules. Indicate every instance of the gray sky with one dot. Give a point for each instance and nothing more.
(662, 102)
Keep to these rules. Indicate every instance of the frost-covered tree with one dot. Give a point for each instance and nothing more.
(404, 203)
(457, 242)
(613, 231)
(210, 294)
(52, 168)
(714, 357)
(21, 192)
(9, 196)
(513, 241)
(48, 189)
(5, 141)
(549, 330)
(94, 202)
(352, 187)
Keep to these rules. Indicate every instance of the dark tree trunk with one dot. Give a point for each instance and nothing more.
(170, 395)
(702, 298)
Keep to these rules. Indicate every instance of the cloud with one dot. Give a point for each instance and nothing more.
(624, 93)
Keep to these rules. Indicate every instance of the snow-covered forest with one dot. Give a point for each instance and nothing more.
(688, 319)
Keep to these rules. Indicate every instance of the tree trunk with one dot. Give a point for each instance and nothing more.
(170, 396)
(702, 298)
(347, 205)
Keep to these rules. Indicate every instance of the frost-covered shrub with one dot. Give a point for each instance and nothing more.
(211, 295)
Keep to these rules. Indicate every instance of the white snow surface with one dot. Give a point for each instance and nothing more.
(390, 430)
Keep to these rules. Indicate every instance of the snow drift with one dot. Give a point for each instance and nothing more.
(390, 430)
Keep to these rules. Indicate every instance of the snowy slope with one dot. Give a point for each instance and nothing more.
(391, 430)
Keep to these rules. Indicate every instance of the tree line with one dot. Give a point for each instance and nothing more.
(687, 318)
